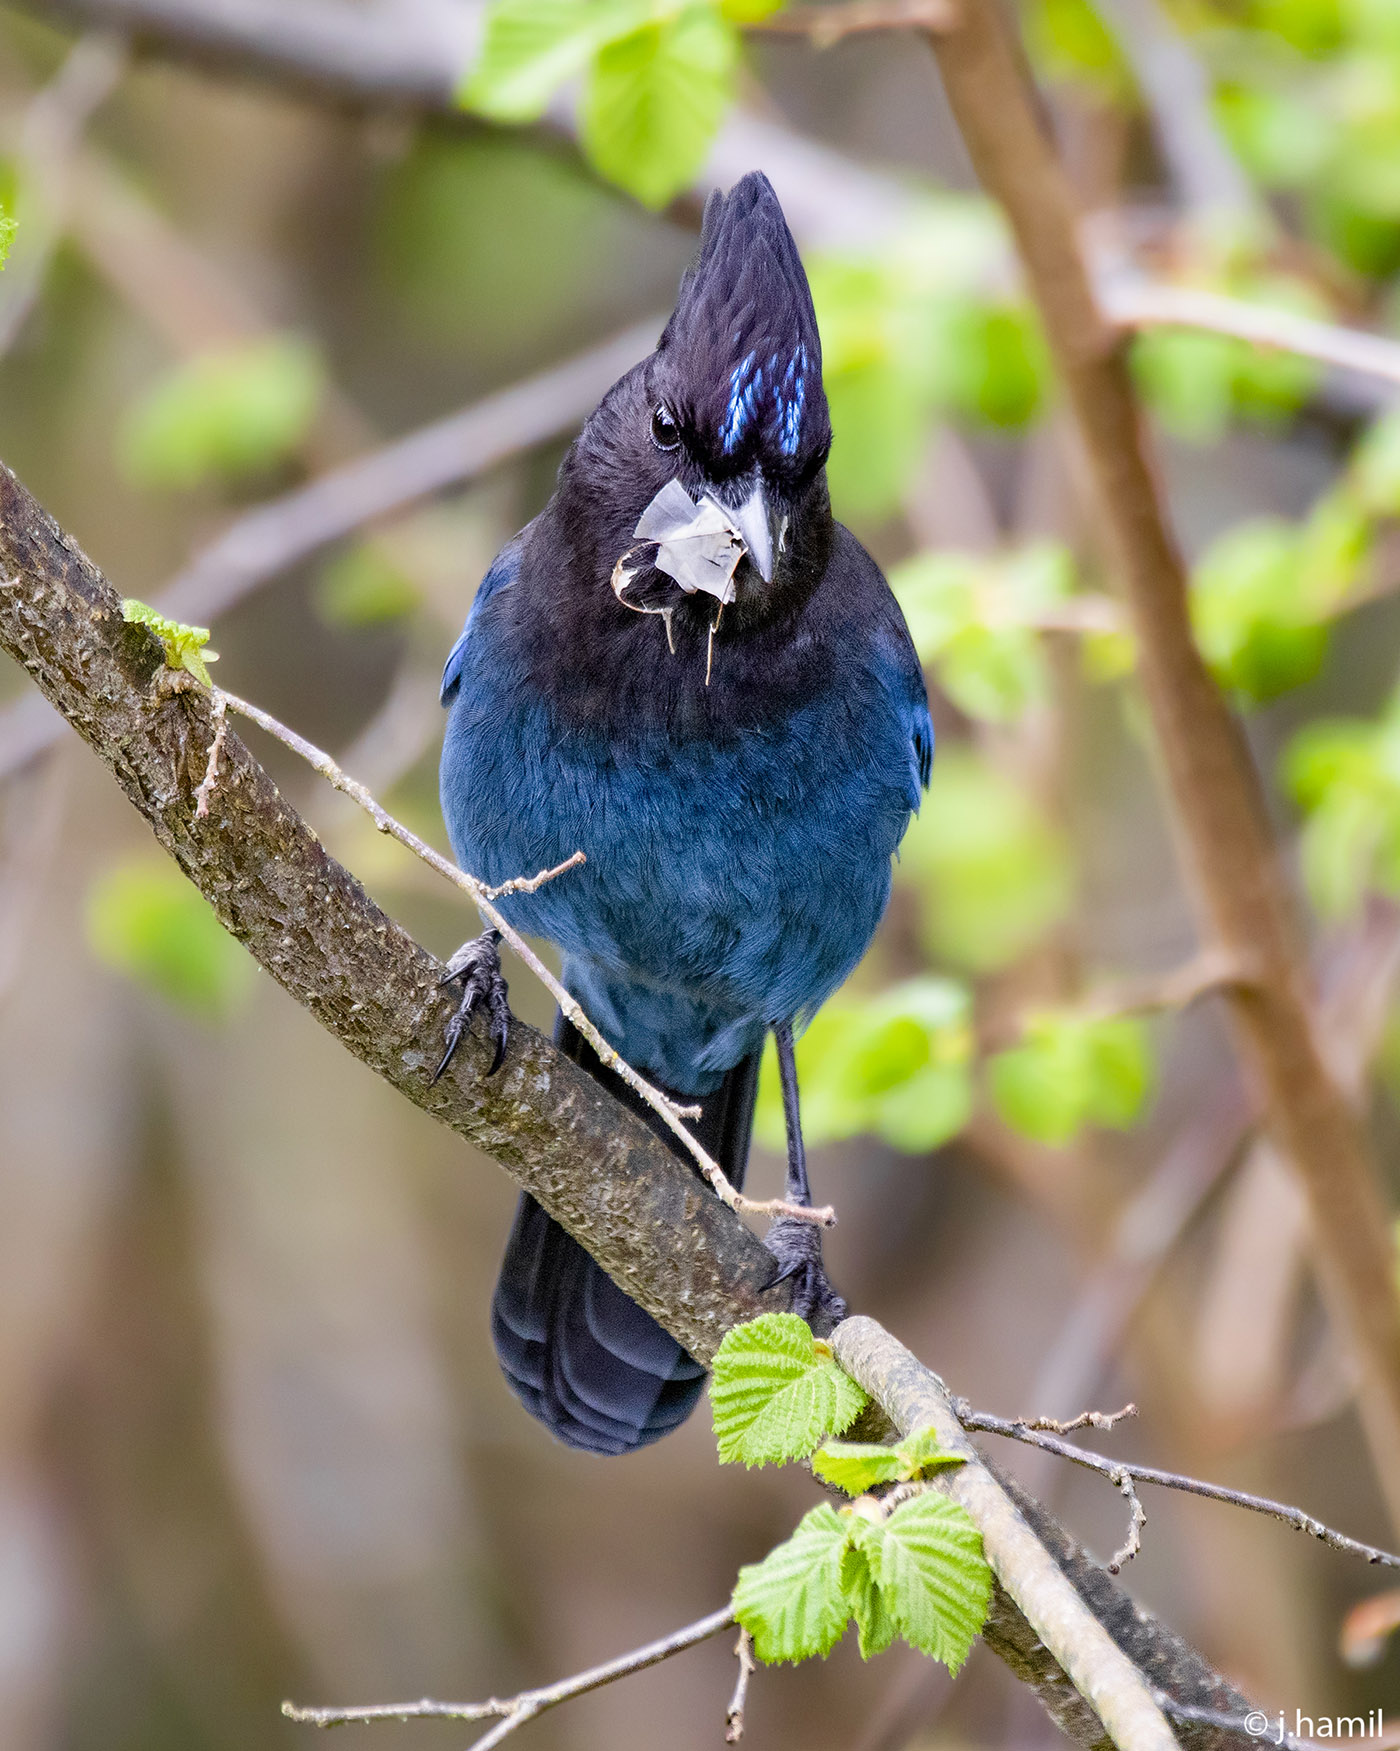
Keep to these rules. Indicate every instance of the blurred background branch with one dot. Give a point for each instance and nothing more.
(249, 1443)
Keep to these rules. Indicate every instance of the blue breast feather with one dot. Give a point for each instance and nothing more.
(728, 886)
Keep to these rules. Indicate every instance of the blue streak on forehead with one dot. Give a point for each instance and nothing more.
(745, 387)
(791, 395)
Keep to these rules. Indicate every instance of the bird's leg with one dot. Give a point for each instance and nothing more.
(478, 965)
(797, 1246)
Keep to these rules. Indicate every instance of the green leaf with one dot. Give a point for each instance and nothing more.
(792, 1603)
(8, 227)
(185, 646)
(145, 920)
(929, 1567)
(750, 11)
(226, 415)
(858, 1466)
(868, 1604)
(775, 1393)
(531, 47)
(655, 99)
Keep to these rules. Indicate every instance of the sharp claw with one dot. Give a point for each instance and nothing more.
(484, 989)
(446, 1059)
(782, 1276)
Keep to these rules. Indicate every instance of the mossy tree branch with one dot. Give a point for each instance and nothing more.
(643, 1213)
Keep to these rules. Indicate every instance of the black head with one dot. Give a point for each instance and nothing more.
(730, 404)
(738, 370)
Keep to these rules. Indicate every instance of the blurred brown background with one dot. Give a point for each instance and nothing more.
(253, 1441)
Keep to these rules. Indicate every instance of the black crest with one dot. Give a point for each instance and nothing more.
(740, 362)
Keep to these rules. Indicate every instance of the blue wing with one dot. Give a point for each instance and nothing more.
(907, 684)
(503, 571)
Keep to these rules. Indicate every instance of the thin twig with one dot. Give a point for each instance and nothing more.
(219, 716)
(1015, 1430)
(667, 1110)
(1092, 1660)
(1085, 1420)
(1132, 302)
(1137, 1519)
(734, 1714)
(514, 1711)
(1205, 973)
(531, 884)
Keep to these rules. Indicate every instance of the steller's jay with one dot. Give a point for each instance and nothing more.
(712, 693)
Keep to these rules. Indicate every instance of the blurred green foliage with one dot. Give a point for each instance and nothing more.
(897, 1065)
(989, 872)
(362, 586)
(458, 269)
(1068, 40)
(146, 921)
(1309, 95)
(931, 330)
(973, 620)
(1071, 1070)
(658, 77)
(1344, 774)
(225, 416)
(919, 333)
(8, 227)
(1264, 594)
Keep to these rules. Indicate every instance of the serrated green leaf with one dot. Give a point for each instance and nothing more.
(774, 1394)
(225, 415)
(792, 1603)
(145, 920)
(875, 1622)
(186, 647)
(531, 47)
(923, 1454)
(654, 102)
(929, 1566)
(857, 1466)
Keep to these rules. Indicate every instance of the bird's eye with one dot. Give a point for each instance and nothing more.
(663, 428)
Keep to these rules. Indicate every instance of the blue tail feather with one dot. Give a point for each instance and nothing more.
(582, 1357)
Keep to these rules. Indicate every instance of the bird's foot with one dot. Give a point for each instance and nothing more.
(477, 964)
(797, 1246)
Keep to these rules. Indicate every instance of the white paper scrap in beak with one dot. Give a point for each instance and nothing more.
(697, 545)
